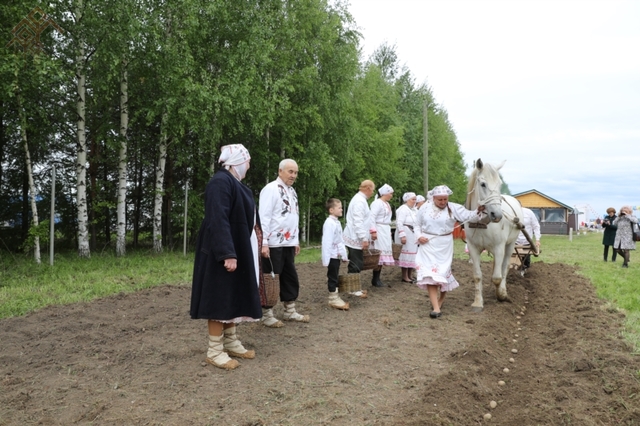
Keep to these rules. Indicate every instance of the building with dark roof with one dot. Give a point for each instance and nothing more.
(554, 217)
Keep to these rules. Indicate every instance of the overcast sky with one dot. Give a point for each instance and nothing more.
(550, 86)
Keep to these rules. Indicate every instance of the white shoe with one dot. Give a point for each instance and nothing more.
(336, 302)
(234, 347)
(217, 356)
(360, 293)
(290, 313)
(269, 320)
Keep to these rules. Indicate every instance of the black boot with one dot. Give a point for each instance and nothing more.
(375, 280)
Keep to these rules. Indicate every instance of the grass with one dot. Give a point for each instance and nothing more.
(25, 287)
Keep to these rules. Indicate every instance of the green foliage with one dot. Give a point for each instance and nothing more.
(41, 231)
(283, 78)
(504, 189)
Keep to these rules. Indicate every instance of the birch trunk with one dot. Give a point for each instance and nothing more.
(32, 186)
(162, 158)
(122, 163)
(157, 206)
(81, 159)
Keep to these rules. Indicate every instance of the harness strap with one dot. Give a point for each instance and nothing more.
(477, 225)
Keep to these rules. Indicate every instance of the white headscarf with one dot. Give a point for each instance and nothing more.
(407, 196)
(236, 156)
(385, 189)
(420, 199)
(441, 190)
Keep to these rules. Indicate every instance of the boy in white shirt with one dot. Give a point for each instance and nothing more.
(333, 249)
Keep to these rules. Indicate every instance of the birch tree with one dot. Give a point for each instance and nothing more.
(81, 144)
(29, 169)
(157, 205)
(122, 162)
(162, 145)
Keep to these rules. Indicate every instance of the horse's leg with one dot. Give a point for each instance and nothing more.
(501, 289)
(499, 276)
(478, 302)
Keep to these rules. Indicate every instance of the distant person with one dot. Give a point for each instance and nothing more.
(381, 214)
(430, 196)
(609, 236)
(624, 234)
(225, 272)
(280, 218)
(420, 200)
(532, 227)
(435, 223)
(359, 231)
(333, 251)
(405, 228)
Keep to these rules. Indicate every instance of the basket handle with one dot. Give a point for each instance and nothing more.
(273, 275)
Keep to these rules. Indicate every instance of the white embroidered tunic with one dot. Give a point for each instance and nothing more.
(433, 260)
(531, 225)
(332, 243)
(381, 219)
(359, 224)
(405, 227)
(279, 215)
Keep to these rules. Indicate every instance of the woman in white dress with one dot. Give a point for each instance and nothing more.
(435, 223)
(405, 235)
(381, 219)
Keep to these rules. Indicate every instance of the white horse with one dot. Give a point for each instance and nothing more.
(497, 237)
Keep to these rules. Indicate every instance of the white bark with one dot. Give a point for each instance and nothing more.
(81, 159)
(157, 205)
(162, 158)
(32, 186)
(122, 163)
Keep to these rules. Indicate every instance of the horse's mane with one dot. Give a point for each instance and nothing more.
(470, 194)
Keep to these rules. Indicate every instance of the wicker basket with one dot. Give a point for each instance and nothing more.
(397, 249)
(349, 283)
(271, 289)
(371, 259)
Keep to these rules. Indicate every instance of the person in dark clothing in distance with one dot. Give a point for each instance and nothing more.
(609, 236)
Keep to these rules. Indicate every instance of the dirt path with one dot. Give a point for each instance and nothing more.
(137, 359)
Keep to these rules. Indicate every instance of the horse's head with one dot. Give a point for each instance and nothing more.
(486, 183)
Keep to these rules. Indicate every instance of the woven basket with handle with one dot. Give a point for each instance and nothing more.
(371, 258)
(272, 288)
(348, 283)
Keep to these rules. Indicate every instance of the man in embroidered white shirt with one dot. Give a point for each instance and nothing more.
(532, 226)
(279, 217)
(359, 230)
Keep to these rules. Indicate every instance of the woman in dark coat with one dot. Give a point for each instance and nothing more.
(609, 236)
(624, 235)
(225, 273)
